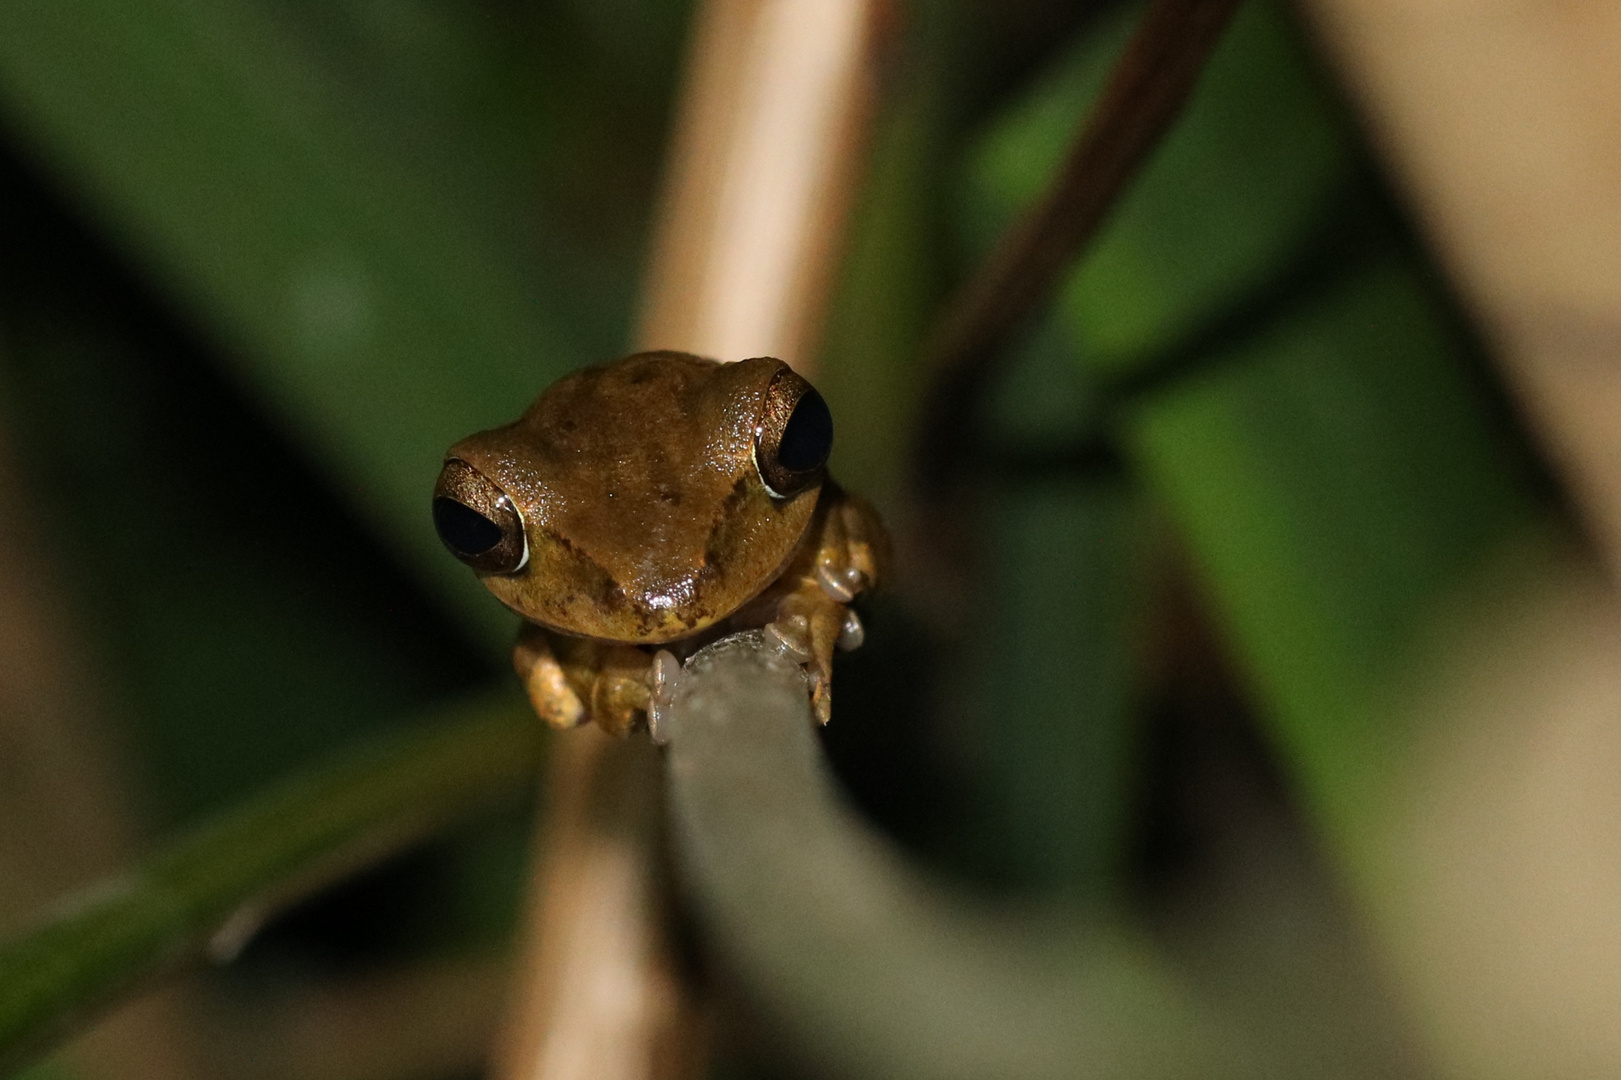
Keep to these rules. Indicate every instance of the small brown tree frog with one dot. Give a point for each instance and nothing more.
(643, 508)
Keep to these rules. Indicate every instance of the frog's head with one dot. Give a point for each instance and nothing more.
(640, 501)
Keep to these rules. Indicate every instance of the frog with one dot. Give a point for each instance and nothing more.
(643, 508)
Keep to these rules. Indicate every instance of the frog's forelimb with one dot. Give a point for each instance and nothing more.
(553, 699)
(812, 616)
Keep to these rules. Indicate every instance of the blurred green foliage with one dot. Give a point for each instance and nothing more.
(1334, 482)
(1233, 192)
(1288, 383)
(266, 262)
(351, 199)
(263, 262)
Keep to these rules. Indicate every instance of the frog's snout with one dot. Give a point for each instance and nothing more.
(477, 521)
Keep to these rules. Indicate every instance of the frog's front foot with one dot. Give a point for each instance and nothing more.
(811, 623)
(815, 617)
(550, 694)
(571, 680)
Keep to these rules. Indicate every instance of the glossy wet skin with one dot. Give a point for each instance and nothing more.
(636, 491)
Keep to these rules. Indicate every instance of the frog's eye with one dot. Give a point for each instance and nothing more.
(477, 522)
(794, 437)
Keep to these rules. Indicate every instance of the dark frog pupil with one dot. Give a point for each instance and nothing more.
(808, 438)
(463, 529)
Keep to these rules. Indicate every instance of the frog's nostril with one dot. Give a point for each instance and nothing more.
(477, 521)
(463, 529)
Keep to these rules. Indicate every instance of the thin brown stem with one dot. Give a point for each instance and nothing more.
(765, 155)
(1145, 93)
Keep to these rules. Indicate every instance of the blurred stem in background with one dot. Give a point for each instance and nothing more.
(1499, 892)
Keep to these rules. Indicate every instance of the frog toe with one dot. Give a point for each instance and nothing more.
(821, 698)
(852, 634)
(791, 636)
(662, 674)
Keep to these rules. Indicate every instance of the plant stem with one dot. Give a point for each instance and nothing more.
(868, 967)
(206, 893)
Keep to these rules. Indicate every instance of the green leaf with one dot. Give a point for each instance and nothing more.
(228, 874)
(1335, 478)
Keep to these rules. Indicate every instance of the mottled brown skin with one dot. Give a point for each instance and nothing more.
(648, 524)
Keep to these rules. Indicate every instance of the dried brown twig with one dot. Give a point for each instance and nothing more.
(764, 159)
(1145, 93)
